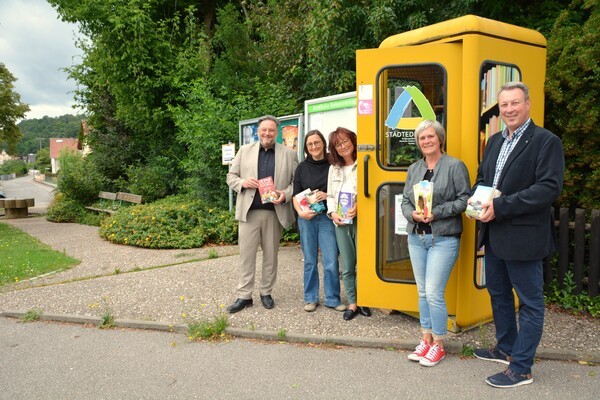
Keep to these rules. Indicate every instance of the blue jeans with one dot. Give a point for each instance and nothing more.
(319, 233)
(432, 260)
(527, 278)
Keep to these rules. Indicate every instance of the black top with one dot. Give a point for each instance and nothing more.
(311, 174)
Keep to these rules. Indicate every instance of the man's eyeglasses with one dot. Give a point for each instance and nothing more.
(342, 143)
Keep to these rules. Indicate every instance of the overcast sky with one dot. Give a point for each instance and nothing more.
(35, 46)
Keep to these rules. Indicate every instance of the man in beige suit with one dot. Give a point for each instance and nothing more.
(261, 224)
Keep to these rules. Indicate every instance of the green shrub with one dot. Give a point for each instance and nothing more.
(220, 226)
(563, 296)
(173, 222)
(78, 178)
(290, 235)
(64, 209)
(18, 167)
(154, 181)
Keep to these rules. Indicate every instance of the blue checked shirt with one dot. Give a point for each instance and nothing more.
(507, 147)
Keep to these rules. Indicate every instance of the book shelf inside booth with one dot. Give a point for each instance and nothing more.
(493, 75)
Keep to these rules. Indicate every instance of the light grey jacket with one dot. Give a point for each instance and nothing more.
(451, 190)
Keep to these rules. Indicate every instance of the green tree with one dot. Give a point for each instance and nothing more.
(18, 167)
(140, 56)
(11, 110)
(209, 122)
(572, 90)
(42, 160)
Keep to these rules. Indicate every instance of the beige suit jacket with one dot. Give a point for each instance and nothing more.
(245, 165)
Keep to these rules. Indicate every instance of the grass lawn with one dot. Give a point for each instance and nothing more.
(23, 257)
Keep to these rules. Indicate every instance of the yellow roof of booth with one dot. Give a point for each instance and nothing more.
(468, 24)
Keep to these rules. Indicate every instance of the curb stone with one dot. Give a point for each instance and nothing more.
(385, 344)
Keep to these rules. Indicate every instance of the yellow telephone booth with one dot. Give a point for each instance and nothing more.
(451, 72)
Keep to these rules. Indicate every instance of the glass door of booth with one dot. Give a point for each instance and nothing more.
(397, 89)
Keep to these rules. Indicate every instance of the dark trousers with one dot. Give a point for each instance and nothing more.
(526, 278)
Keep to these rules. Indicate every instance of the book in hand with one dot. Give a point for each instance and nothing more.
(423, 192)
(308, 202)
(302, 200)
(482, 194)
(266, 188)
(345, 203)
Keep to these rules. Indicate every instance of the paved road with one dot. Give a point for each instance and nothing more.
(60, 361)
(25, 187)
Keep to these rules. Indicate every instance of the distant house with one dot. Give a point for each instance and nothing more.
(4, 157)
(57, 145)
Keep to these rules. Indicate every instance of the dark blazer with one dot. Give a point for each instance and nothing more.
(530, 182)
(245, 165)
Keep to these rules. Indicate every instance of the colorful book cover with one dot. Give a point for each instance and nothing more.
(302, 200)
(266, 188)
(482, 195)
(423, 192)
(345, 203)
(308, 202)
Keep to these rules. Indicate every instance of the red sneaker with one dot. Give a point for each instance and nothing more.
(419, 352)
(433, 356)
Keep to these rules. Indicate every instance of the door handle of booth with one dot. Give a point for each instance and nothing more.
(366, 181)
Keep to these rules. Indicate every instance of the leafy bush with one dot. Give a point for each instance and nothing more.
(154, 181)
(220, 227)
(290, 235)
(18, 167)
(174, 222)
(563, 296)
(64, 209)
(78, 179)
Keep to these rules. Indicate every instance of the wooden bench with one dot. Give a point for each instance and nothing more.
(114, 197)
(16, 208)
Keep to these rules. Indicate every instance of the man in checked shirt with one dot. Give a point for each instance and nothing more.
(526, 164)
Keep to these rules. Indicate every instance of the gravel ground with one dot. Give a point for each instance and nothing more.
(177, 286)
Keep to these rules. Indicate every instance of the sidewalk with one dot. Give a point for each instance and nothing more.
(165, 289)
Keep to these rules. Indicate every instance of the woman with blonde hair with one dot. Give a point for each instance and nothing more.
(434, 237)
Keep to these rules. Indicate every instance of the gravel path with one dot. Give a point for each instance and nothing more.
(177, 286)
